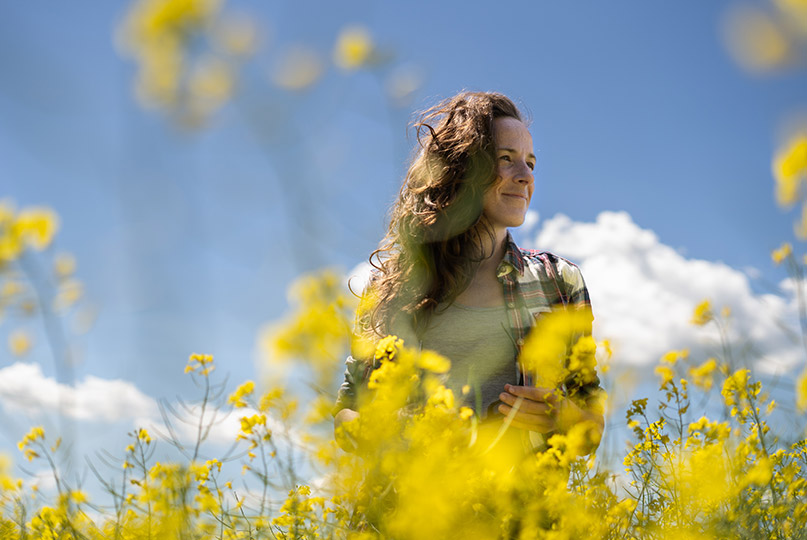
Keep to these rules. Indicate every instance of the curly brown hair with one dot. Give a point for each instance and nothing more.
(435, 236)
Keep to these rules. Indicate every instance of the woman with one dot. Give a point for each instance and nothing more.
(450, 278)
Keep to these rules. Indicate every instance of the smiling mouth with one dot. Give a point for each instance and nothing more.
(516, 195)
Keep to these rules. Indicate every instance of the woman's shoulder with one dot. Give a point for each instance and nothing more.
(535, 256)
(548, 262)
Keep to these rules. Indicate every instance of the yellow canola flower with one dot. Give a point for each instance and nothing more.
(196, 361)
(801, 391)
(70, 291)
(442, 396)
(318, 332)
(671, 357)
(64, 265)
(705, 462)
(703, 313)
(237, 397)
(712, 431)
(583, 362)
(735, 389)
(789, 169)
(783, 252)
(36, 227)
(19, 342)
(388, 347)
(760, 473)
(143, 435)
(432, 361)
(155, 17)
(36, 434)
(757, 41)
(353, 48)
(466, 413)
(249, 423)
(9, 289)
(548, 343)
(666, 374)
(608, 353)
(7, 482)
(702, 375)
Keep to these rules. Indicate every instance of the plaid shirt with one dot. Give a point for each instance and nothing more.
(533, 283)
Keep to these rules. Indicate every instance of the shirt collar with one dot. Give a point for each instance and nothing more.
(512, 260)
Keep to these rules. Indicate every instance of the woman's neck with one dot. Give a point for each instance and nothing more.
(484, 289)
(494, 245)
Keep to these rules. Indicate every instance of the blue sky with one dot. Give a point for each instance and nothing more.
(186, 241)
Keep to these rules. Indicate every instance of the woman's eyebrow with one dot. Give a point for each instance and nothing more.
(512, 151)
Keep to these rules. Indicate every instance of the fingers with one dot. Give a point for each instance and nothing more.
(548, 395)
(527, 405)
(536, 409)
(534, 422)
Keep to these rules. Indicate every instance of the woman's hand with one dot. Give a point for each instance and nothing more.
(535, 408)
(543, 409)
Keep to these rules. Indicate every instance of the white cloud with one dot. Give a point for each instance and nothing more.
(643, 293)
(24, 388)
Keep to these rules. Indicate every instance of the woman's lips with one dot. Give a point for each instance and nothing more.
(516, 195)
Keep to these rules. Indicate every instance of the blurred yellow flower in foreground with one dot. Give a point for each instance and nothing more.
(237, 36)
(353, 48)
(432, 361)
(789, 169)
(782, 253)
(33, 227)
(671, 357)
(318, 331)
(298, 69)
(237, 397)
(702, 375)
(64, 265)
(796, 13)
(665, 373)
(19, 342)
(756, 40)
(211, 81)
(703, 313)
(36, 226)
(801, 392)
(548, 343)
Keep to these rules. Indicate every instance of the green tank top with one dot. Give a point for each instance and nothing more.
(477, 341)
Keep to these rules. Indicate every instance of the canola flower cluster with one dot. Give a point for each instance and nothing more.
(426, 467)
(188, 53)
(26, 291)
(767, 38)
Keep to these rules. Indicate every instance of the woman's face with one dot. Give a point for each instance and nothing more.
(505, 203)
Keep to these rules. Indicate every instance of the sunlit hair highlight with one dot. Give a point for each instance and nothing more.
(435, 235)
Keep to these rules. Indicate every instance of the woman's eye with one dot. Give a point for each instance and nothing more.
(506, 158)
(531, 166)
